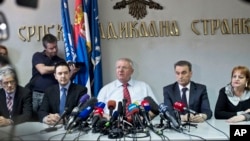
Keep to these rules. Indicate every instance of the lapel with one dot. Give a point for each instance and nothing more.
(3, 103)
(176, 92)
(15, 102)
(68, 95)
(57, 96)
(192, 93)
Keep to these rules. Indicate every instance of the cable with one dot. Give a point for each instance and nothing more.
(99, 137)
(218, 130)
(50, 138)
(193, 135)
(160, 134)
(84, 131)
(79, 135)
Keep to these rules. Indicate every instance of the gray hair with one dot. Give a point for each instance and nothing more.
(127, 60)
(9, 72)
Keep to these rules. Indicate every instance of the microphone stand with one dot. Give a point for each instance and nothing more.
(124, 101)
(188, 123)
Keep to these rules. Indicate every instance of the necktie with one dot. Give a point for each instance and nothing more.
(184, 98)
(126, 96)
(9, 103)
(62, 100)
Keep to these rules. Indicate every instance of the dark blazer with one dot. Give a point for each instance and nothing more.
(51, 99)
(22, 105)
(198, 99)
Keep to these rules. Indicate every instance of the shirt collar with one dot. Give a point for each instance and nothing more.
(187, 86)
(11, 95)
(130, 83)
(66, 86)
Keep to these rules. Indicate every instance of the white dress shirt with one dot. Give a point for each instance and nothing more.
(138, 90)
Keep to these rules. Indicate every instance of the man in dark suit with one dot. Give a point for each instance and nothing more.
(50, 109)
(196, 94)
(15, 101)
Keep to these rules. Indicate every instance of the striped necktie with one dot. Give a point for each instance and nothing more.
(9, 103)
(126, 96)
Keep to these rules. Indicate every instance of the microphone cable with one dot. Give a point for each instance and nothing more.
(218, 129)
(160, 134)
(51, 137)
(191, 135)
(81, 133)
(99, 137)
(134, 133)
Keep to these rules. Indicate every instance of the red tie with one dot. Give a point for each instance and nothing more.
(126, 96)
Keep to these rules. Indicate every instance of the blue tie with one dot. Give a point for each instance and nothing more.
(62, 100)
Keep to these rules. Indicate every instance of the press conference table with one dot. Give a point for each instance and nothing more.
(31, 131)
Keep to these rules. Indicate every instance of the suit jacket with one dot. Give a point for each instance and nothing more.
(198, 98)
(51, 99)
(22, 105)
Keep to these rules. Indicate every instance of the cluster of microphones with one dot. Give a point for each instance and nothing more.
(88, 115)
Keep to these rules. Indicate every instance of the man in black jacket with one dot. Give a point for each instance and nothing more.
(49, 111)
(15, 101)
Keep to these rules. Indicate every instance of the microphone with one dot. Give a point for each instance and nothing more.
(144, 108)
(98, 114)
(134, 110)
(100, 105)
(113, 118)
(120, 113)
(179, 106)
(164, 109)
(111, 106)
(124, 101)
(83, 103)
(91, 102)
(154, 108)
(83, 99)
(100, 126)
(76, 110)
(97, 105)
(54, 128)
(145, 105)
(83, 115)
(120, 109)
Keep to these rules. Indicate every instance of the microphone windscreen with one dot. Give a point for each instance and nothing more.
(91, 102)
(111, 104)
(179, 106)
(98, 111)
(84, 114)
(145, 105)
(115, 115)
(133, 108)
(100, 105)
(120, 108)
(154, 108)
(84, 98)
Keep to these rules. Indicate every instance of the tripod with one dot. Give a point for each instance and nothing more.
(188, 122)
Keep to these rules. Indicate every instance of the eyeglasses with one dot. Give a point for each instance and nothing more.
(8, 82)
